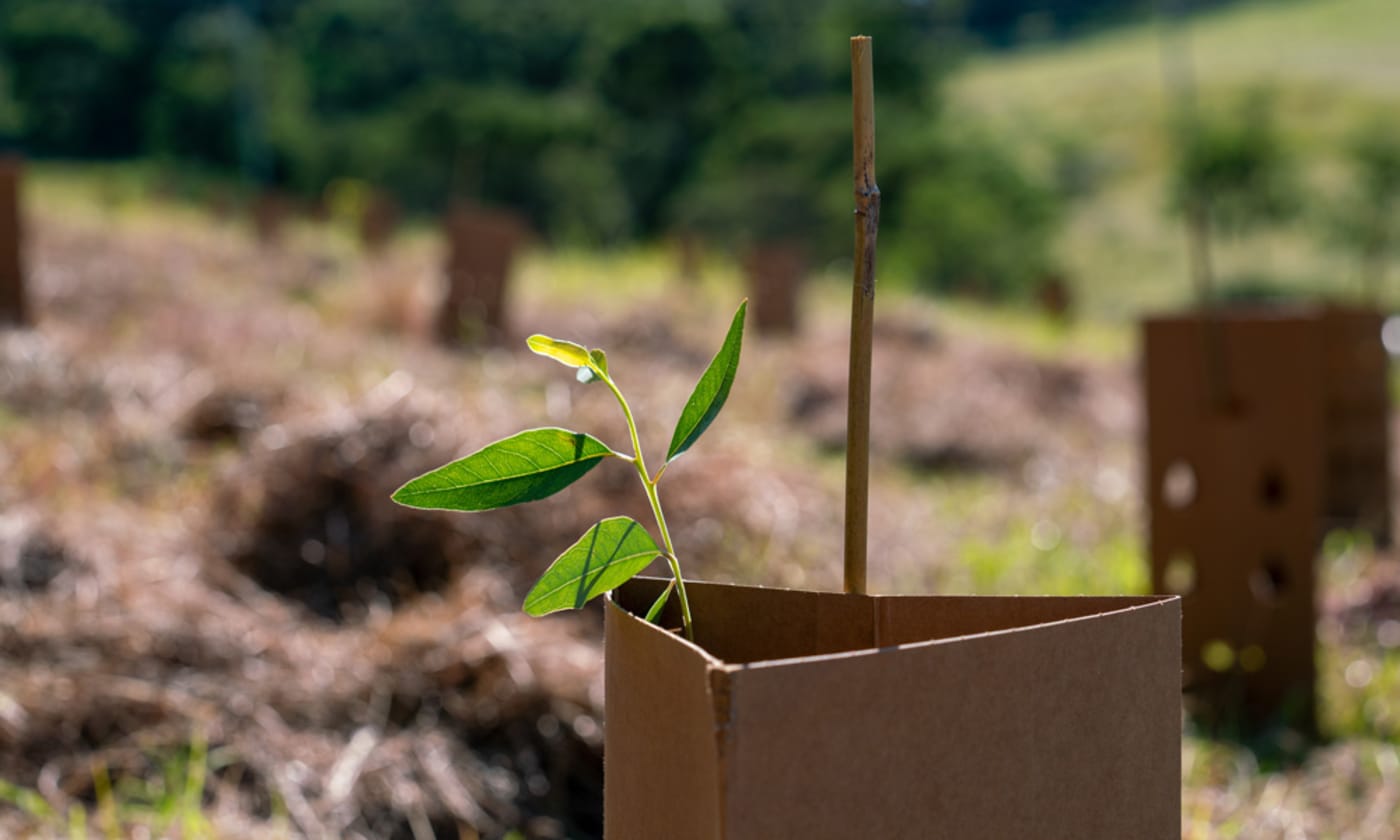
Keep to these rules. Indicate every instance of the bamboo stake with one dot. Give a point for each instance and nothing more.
(867, 224)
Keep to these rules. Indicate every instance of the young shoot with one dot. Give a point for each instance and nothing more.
(540, 462)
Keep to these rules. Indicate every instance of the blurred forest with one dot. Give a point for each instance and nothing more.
(601, 122)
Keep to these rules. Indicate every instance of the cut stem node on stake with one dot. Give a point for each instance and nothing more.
(867, 225)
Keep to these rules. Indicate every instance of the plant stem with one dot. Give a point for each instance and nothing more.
(649, 484)
(1178, 72)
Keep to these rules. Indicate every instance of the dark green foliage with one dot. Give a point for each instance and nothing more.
(1374, 153)
(605, 109)
(976, 220)
(667, 90)
(363, 53)
(600, 122)
(194, 109)
(585, 200)
(1238, 165)
(486, 142)
(781, 172)
(1255, 290)
(1364, 220)
(1004, 22)
(70, 63)
(9, 110)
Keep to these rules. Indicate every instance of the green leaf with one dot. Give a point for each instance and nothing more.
(659, 604)
(711, 391)
(605, 557)
(596, 369)
(564, 352)
(522, 468)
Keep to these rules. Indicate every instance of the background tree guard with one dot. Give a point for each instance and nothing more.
(774, 272)
(481, 250)
(1240, 494)
(378, 221)
(1358, 428)
(271, 210)
(14, 302)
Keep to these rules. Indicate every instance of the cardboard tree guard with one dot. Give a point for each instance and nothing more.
(378, 219)
(481, 250)
(271, 210)
(828, 715)
(1239, 494)
(689, 253)
(14, 303)
(775, 271)
(1357, 401)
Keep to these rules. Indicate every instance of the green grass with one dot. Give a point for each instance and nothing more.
(169, 802)
(1346, 47)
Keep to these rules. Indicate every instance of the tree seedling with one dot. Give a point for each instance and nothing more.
(538, 463)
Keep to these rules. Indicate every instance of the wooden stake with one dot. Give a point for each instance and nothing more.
(867, 221)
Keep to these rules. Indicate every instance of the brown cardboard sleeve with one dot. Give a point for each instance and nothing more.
(14, 303)
(775, 271)
(1356, 371)
(482, 246)
(271, 211)
(1240, 532)
(1301, 445)
(827, 715)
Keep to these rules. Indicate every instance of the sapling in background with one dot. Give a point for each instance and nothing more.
(1364, 221)
(540, 462)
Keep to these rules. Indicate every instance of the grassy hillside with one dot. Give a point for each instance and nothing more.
(1329, 64)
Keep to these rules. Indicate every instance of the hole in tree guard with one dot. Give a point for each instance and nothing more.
(1390, 335)
(1179, 576)
(1179, 485)
(1218, 655)
(1253, 659)
(1269, 582)
(1271, 488)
